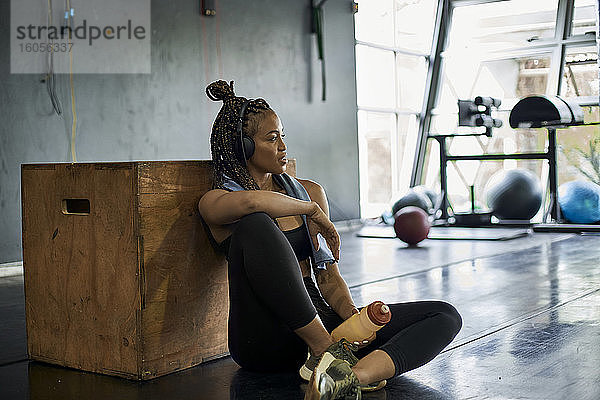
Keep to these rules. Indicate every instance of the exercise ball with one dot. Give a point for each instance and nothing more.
(412, 198)
(580, 201)
(433, 196)
(514, 194)
(411, 224)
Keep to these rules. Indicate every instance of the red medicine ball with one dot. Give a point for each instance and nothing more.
(411, 225)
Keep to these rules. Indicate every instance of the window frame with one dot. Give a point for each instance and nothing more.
(397, 113)
(556, 46)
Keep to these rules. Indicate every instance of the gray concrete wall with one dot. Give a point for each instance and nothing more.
(266, 49)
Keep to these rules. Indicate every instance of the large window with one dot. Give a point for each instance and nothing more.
(505, 49)
(509, 50)
(393, 42)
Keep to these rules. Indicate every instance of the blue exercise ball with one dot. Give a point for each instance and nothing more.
(580, 201)
(514, 194)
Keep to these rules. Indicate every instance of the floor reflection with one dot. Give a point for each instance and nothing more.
(531, 329)
(405, 388)
(540, 357)
(254, 386)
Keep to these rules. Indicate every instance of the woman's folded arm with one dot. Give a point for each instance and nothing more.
(220, 207)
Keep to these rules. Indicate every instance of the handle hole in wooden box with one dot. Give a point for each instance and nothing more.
(76, 206)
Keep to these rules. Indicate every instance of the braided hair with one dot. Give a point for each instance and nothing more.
(224, 133)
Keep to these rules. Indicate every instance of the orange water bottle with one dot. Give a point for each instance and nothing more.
(363, 325)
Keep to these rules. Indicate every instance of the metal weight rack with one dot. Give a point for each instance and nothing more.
(551, 112)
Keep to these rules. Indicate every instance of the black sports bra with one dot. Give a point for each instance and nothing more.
(297, 238)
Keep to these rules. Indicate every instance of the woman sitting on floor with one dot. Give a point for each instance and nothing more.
(274, 230)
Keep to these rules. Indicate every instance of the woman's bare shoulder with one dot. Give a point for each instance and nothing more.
(210, 196)
(316, 193)
(222, 207)
(215, 192)
(312, 187)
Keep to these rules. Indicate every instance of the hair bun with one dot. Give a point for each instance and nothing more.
(220, 91)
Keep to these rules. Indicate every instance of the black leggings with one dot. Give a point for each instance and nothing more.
(269, 299)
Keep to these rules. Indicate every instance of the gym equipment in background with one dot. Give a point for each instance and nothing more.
(515, 194)
(479, 113)
(414, 198)
(433, 196)
(411, 225)
(552, 113)
(580, 201)
(474, 113)
(317, 28)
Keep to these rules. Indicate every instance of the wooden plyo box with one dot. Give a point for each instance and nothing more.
(120, 276)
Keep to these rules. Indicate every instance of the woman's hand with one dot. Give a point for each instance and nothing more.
(319, 223)
(368, 340)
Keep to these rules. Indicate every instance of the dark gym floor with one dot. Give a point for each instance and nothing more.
(531, 327)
